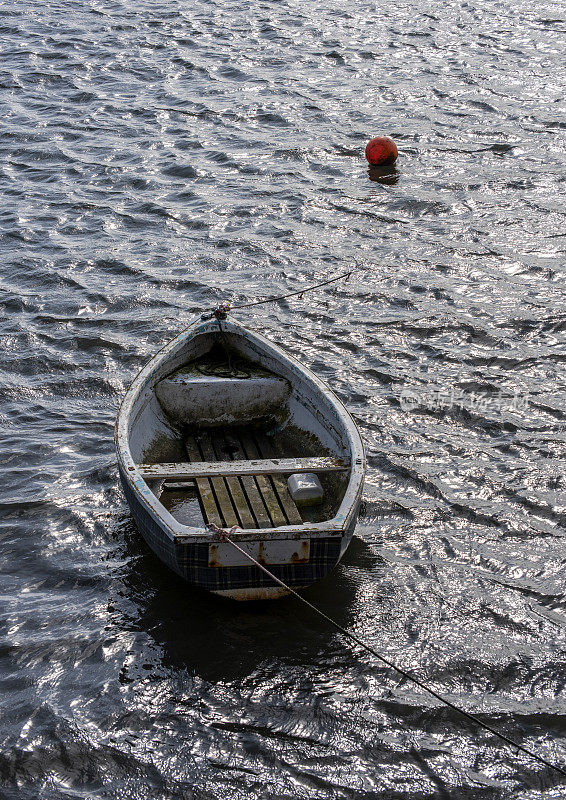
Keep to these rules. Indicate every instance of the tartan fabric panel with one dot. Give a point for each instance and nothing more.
(192, 561)
(149, 528)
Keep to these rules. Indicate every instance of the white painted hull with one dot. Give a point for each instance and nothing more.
(190, 550)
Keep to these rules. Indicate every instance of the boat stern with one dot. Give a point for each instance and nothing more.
(221, 568)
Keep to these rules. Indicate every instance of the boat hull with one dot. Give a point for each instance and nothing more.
(297, 554)
(241, 581)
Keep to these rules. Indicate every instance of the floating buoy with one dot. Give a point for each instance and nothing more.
(381, 150)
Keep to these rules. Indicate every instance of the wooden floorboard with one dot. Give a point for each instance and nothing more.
(249, 484)
(279, 483)
(235, 488)
(218, 484)
(263, 482)
(250, 501)
(208, 502)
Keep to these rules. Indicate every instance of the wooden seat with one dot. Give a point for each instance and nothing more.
(242, 466)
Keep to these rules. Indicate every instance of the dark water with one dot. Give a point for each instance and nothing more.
(159, 157)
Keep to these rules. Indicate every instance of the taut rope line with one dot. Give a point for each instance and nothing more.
(224, 536)
(224, 308)
(345, 275)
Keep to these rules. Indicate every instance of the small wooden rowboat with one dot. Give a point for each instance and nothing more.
(208, 434)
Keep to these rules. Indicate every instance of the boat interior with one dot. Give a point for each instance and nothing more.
(221, 434)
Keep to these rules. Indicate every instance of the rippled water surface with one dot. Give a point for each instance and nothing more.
(159, 157)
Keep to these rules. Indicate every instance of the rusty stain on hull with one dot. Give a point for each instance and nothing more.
(303, 556)
(266, 552)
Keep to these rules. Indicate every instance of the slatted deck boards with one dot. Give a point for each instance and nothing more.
(250, 501)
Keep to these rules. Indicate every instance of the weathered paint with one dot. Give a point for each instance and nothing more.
(210, 400)
(210, 469)
(266, 552)
(313, 407)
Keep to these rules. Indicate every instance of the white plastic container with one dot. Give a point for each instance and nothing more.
(305, 488)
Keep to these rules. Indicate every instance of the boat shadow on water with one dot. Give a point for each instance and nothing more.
(218, 639)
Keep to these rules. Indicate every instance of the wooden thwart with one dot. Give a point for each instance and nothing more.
(253, 466)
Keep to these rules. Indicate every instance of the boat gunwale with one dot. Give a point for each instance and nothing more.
(177, 531)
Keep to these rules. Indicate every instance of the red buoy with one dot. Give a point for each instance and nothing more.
(381, 150)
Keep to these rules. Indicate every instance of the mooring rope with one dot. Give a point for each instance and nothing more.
(224, 536)
(345, 275)
(221, 311)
